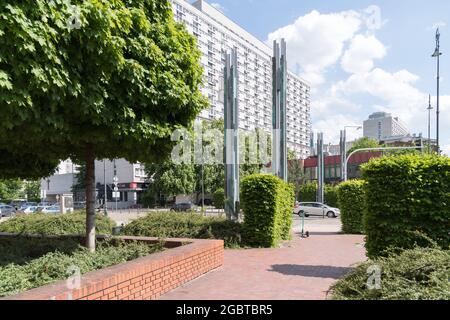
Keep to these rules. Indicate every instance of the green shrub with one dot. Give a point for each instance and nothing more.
(408, 202)
(219, 198)
(414, 274)
(308, 192)
(351, 200)
(267, 202)
(71, 223)
(186, 225)
(19, 273)
(330, 195)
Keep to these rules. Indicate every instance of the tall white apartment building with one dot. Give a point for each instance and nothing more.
(382, 125)
(217, 35)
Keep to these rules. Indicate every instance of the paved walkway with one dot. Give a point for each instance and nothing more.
(302, 269)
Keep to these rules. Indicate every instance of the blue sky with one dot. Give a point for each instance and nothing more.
(360, 56)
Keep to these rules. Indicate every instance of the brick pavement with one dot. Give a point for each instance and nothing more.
(302, 269)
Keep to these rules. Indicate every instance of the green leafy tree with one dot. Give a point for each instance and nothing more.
(363, 143)
(95, 79)
(33, 190)
(11, 189)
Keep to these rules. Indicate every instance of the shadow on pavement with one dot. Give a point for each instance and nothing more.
(316, 233)
(311, 271)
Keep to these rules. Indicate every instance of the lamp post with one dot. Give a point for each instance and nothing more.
(344, 151)
(429, 123)
(437, 53)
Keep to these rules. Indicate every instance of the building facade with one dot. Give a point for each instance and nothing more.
(216, 35)
(382, 125)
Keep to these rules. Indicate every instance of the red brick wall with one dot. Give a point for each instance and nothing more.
(141, 279)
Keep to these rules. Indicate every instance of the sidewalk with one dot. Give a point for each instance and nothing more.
(304, 269)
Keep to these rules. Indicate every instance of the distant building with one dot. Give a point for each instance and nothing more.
(131, 182)
(216, 35)
(382, 125)
(333, 166)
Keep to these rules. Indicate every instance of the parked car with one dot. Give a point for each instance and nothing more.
(183, 207)
(316, 209)
(51, 209)
(208, 202)
(28, 210)
(78, 205)
(27, 205)
(7, 211)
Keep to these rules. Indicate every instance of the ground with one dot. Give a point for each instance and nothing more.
(301, 269)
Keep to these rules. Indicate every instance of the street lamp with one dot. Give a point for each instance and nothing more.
(437, 53)
(344, 150)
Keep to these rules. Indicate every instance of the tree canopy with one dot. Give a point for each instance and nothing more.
(363, 143)
(86, 79)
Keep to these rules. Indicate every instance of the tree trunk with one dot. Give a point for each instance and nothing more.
(90, 198)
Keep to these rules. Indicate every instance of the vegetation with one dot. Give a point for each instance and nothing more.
(14, 189)
(186, 225)
(27, 263)
(411, 207)
(363, 143)
(351, 201)
(414, 274)
(308, 193)
(219, 198)
(113, 84)
(46, 224)
(267, 202)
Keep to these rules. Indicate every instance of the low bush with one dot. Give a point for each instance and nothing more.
(267, 202)
(308, 192)
(351, 201)
(414, 274)
(330, 195)
(219, 198)
(61, 224)
(186, 225)
(408, 202)
(18, 274)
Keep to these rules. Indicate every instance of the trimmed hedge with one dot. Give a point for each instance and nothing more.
(61, 224)
(408, 202)
(414, 274)
(219, 198)
(308, 193)
(351, 201)
(186, 225)
(267, 202)
(330, 195)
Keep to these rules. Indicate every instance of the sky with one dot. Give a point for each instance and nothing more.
(359, 57)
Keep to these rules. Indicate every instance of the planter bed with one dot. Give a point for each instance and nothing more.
(148, 273)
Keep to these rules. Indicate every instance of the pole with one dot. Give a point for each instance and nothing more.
(105, 198)
(437, 54)
(379, 149)
(429, 123)
(203, 188)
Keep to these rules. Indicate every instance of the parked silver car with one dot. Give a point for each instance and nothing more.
(316, 209)
(7, 211)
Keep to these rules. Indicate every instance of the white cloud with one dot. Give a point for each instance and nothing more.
(359, 58)
(332, 125)
(218, 6)
(316, 41)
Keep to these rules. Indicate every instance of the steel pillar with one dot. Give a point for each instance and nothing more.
(279, 80)
(320, 169)
(231, 136)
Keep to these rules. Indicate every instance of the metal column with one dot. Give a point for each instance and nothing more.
(343, 151)
(320, 169)
(231, 117)
(279, 80)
